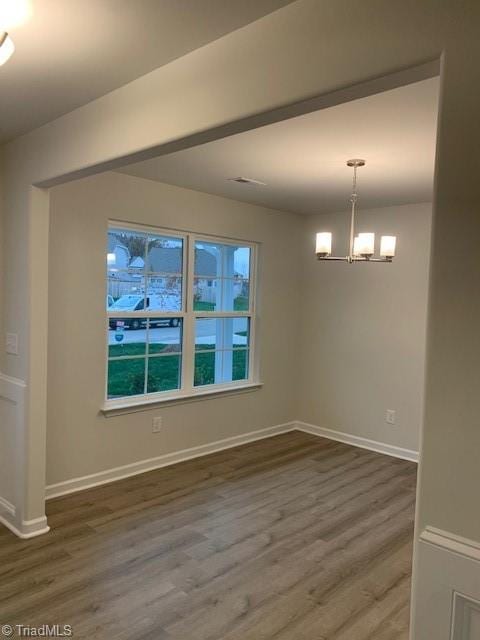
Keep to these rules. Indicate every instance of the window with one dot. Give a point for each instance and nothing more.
(180, 314)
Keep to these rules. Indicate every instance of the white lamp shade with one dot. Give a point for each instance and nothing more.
(324, 243)
(387, 246)
(356, 246)
(365, 244)
(6, 48)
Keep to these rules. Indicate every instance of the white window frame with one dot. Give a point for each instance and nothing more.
(188, 316)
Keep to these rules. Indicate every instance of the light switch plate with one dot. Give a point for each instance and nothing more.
(390, 416)
(11, 343)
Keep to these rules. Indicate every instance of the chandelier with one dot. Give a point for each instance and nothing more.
(362, 246)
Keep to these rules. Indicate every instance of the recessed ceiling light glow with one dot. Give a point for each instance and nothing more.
(13, 13)
(6, 48)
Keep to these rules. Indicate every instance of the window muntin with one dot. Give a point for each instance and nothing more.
(180, 313)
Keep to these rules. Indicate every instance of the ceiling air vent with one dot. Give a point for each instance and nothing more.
(243, 180)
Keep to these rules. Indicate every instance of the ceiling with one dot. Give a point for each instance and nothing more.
(302, 160)
(73, 51)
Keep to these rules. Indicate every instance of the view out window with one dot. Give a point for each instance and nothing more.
(180, 313)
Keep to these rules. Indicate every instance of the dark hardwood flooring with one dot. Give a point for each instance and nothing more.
(290, 538)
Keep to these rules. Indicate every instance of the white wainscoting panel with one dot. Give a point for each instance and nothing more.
(466, 618)
(446, 587)
(12, 412)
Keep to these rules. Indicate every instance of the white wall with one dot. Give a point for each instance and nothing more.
(363, 329)
(315, 367)
(80, 440)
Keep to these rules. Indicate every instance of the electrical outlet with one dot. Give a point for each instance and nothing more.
(11, 343)
(390, 416)
(156, 424)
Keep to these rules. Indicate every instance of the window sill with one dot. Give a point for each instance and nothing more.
(114, 408)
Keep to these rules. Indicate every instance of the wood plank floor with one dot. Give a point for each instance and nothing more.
(290, 538)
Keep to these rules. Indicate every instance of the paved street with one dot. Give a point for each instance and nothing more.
(171, 335)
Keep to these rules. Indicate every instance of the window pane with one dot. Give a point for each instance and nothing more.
(126, 377)
(217, 367)
(241, 299)
(126, 337)
(221, 333)
(126, 249)
(222, 274)
(164, 373)
(208, 259)
(204, 368)
(206, 294)
(240, 364)
(125, 291)
(213, 259)
(165, 335)
(221, 294)
(164, 293)
(165, 255)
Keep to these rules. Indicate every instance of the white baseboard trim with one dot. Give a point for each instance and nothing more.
(27, 528)
(358, 441)
(469, 549)
(135, 468)
(142, 466)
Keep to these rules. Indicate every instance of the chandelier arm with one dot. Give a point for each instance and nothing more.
(335, 258)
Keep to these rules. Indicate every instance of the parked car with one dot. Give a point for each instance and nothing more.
(135, 302)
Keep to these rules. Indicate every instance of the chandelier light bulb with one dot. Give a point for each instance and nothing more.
(387, 246)
(366, 244)
(324, 244)
(6, 48)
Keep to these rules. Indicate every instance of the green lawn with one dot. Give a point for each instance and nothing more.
(239, 304)
(205, 366)
(138, 349)
(198, 305)
(127, 377)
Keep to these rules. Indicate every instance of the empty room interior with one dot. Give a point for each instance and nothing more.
(238, 309)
